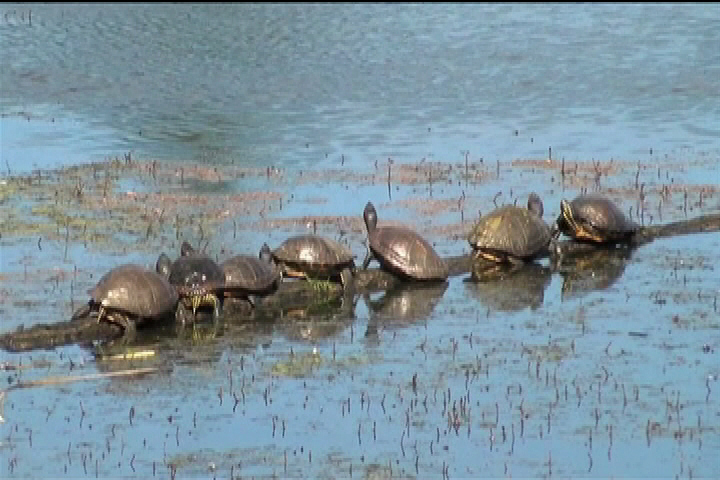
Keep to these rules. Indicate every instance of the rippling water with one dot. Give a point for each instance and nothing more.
(290, 84)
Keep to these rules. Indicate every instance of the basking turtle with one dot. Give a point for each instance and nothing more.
(596, 219)
(198, 279)
(511, 234)
(314, 256)
(401, 250)
(130, 295)
(247, 276)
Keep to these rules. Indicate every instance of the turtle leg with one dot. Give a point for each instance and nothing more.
(346, 279)
(368, 258)
(252, 301)
(196, 301)
(515, 261)
(130, 331)
(127, 324)
(555, 231)
(81, 312)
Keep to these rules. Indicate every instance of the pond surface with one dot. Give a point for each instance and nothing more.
(128, 129)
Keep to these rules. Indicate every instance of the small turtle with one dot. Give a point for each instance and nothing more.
(198, 279)
(401, 250)
(130, 295)
(594, 218)
(511, 234)
(314, 256)
(247, 276)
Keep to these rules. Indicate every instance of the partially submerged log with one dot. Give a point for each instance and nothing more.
(83, 330)
(299, 294)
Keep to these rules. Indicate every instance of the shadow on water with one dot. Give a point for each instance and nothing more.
(511, 288)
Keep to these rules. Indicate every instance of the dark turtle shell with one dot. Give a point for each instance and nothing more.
(401, 250)
(313, 255)
(594, 218)
(131, 295)
(247, 274)
(198, 279)
(511, 234)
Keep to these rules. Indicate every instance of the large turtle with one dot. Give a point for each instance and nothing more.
(511, 234)
(401, 250)
(198, 279)
(247, 276)
(130, 295)
(313, 256)
(594, 218)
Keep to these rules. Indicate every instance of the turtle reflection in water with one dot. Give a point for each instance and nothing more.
(316, 321)
(403, 305)
(587, 272)
(510, 288)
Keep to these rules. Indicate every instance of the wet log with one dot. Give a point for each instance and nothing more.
(299, 293)
(83, 330)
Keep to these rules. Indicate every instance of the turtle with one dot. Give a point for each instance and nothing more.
(198, 279)
(130, 295)
(594, 218)
(401, 250)
(511, 234)
(247, 275)
(311, 256)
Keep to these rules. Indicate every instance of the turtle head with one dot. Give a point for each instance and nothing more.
(566, 211)
(566, 220)
(535, 204)
(265, 253)
(370, 216)
(186, 249)
(163, 265)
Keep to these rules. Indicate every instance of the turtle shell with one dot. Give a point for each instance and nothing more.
(594, 218)
(249, 274)
(196, 273)
(199, 280)
(510, 232)
(135, 291)
(313, 255)
(402, 250)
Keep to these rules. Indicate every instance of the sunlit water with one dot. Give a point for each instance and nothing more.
(616, 381)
